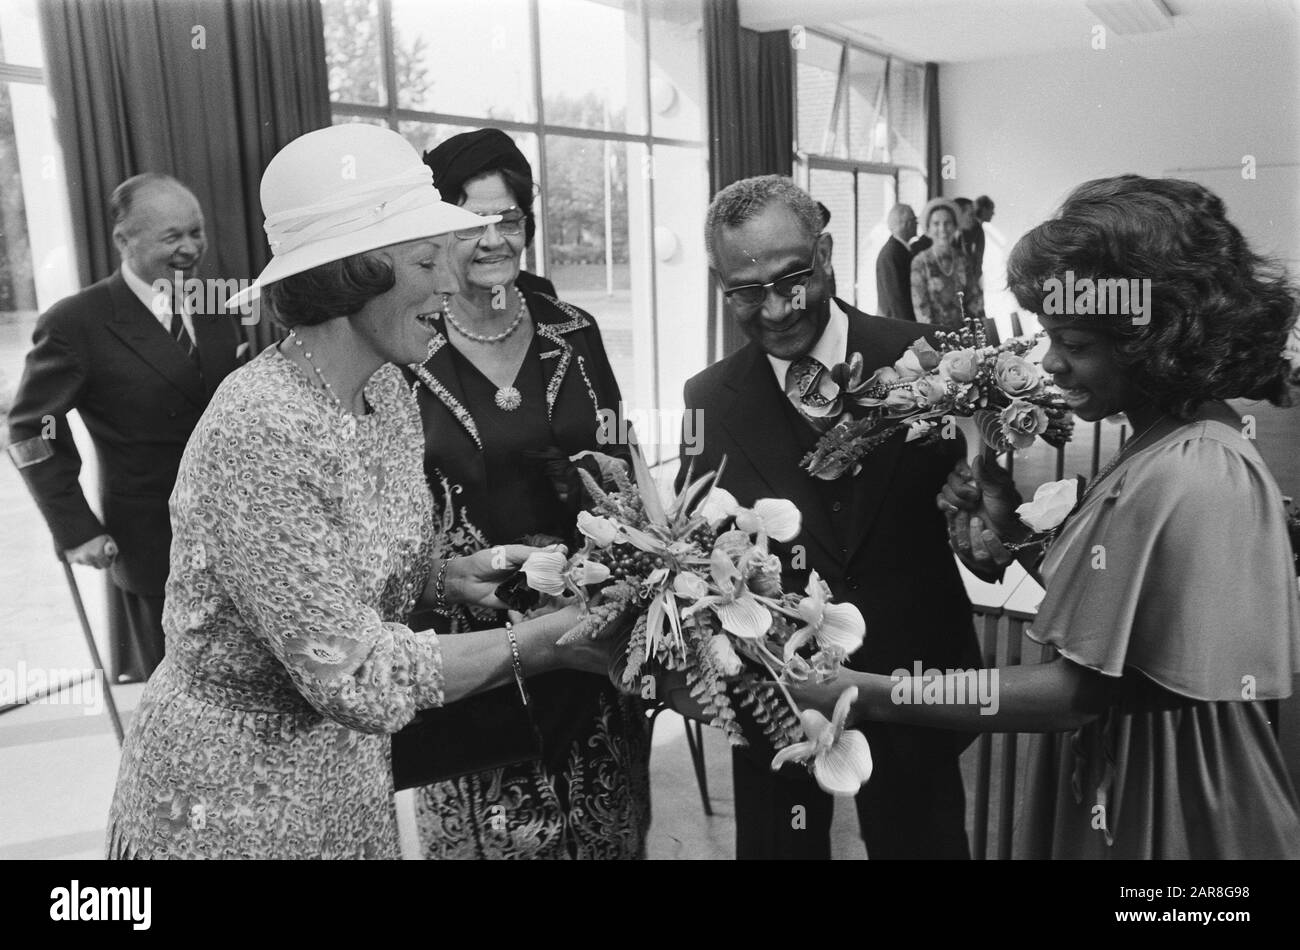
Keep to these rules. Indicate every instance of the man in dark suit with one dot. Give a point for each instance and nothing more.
(139, 366)
(875, 537)
(894, 265)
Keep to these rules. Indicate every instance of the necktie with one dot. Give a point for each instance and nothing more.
(182, 338)
(802, 384)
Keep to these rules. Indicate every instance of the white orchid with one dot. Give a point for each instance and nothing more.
(551, 573)
(841, 759)
(831, 625)
(602, 531)
(775, 518)
(735, 604)
(718, 506)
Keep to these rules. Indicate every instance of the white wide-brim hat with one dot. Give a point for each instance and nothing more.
(345, 190)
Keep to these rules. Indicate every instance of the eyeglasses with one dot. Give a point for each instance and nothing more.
(511, 224)
(751, 295)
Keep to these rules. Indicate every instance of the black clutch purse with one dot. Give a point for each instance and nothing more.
(476, 734)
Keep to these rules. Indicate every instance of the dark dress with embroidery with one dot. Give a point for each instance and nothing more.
(489, 470)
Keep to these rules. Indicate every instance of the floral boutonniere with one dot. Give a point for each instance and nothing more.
(1052, 503)
(927, 389)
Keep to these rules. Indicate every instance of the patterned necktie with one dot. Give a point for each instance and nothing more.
(182, 338)
(802, 386)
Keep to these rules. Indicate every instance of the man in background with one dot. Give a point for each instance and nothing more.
(894, 265)
(970, 235)
(139, 368)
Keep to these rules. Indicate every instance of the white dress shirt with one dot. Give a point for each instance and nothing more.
(160, 305)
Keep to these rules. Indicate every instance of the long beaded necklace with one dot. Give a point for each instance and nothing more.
(507, 397)
(297, 340)
(375, 470)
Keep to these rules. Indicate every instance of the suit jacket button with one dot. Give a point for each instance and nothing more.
(171, 413)
(852, 583)
(837, 506)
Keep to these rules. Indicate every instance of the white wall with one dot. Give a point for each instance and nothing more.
(1025, 131)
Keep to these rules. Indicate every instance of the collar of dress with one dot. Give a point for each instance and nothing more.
(549, 330)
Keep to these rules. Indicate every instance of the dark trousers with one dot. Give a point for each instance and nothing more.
(135, 633)
(914, 806)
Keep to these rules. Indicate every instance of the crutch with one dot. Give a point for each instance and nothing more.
(109, 703)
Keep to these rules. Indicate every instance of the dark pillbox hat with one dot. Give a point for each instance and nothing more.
(470, 154)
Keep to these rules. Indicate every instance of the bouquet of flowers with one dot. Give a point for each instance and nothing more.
(705, 593)
(927, 389)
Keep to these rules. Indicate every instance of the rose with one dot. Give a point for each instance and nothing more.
(902, 399)
(961, 366)
(1021, 422)
(919, 359)
(1052, 502)
(1015, 375)
(929, 391)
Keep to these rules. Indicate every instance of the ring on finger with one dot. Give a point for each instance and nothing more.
(499, 560)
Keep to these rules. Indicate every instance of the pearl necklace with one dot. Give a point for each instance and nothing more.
(307, 355)
(507, 397)
(952, 263)
(478, 338)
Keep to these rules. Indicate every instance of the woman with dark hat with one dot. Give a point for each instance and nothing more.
(512, 388)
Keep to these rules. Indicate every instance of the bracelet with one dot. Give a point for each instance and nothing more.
(440, 588)
(518, 664)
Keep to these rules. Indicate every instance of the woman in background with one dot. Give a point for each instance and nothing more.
(941, 271)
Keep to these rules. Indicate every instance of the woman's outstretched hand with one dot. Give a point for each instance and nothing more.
(544, 628)
(474, 578)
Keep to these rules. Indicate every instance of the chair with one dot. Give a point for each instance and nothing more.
(695, 742)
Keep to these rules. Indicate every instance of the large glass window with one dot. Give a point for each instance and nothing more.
(861, 147)
(37, 263)
(606, 98)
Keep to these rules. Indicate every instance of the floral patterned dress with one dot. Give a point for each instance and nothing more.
(935, 286)
(302, 539)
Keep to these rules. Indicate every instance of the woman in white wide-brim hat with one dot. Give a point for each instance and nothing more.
(304, 536)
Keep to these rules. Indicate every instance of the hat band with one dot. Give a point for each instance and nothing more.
(289, 231)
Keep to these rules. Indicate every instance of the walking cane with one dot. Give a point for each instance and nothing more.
(94, 650)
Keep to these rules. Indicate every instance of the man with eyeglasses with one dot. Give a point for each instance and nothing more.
(875, 537)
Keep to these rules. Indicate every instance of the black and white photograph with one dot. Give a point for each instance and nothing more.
(652, 430)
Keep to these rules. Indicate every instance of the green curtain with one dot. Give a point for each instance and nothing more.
(751, 121)
(205, 90)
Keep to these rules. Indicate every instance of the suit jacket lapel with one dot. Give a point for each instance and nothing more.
(871, 485)
(756, 408)
(140, 330)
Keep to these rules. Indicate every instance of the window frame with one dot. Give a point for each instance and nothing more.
(807, 161)
(392, 115)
